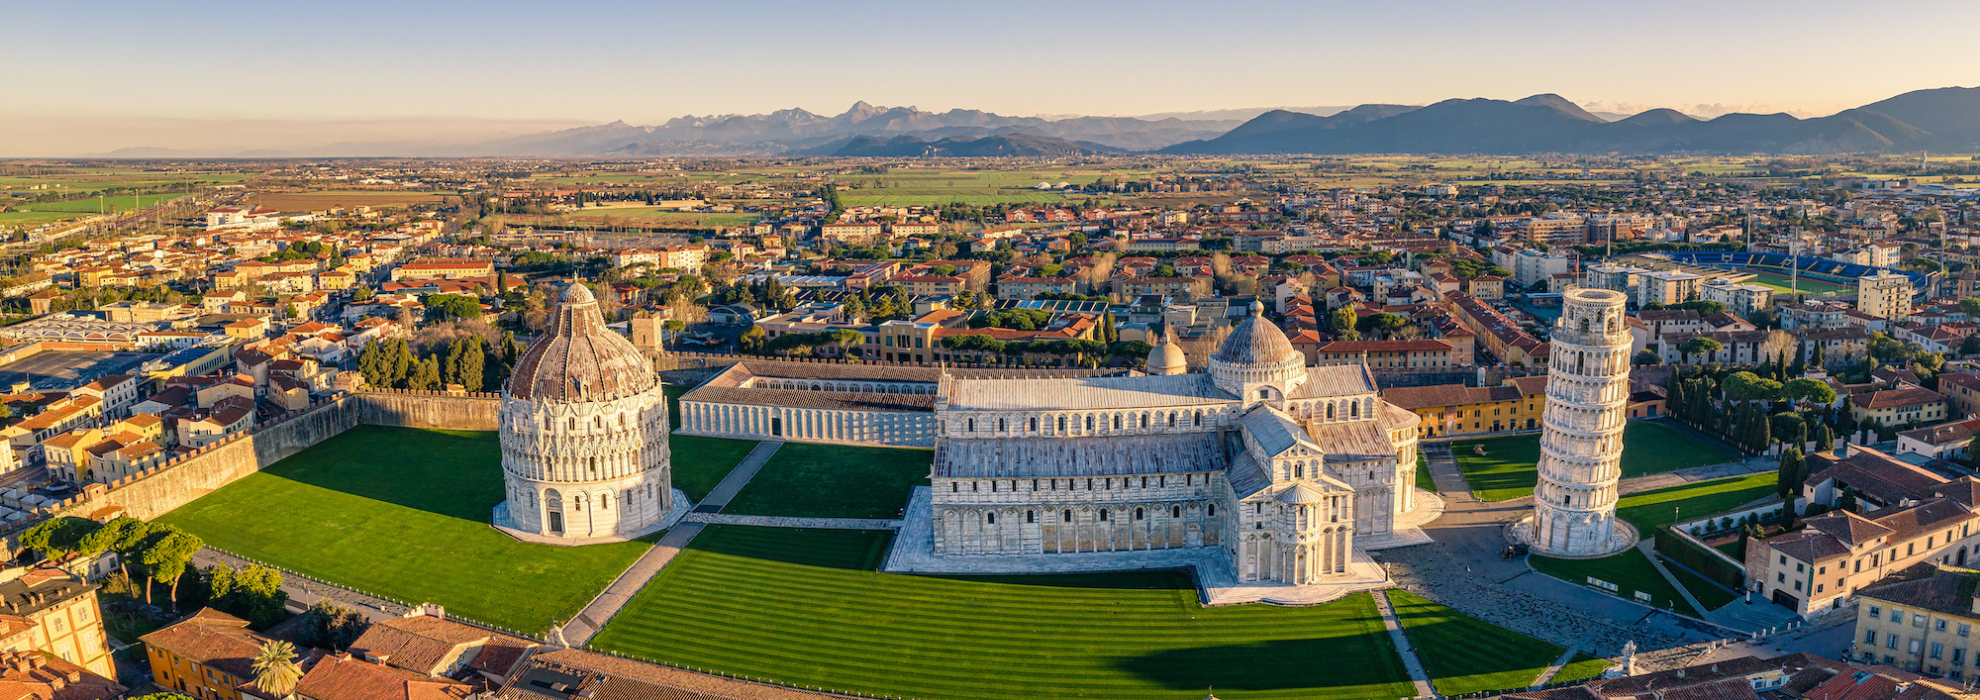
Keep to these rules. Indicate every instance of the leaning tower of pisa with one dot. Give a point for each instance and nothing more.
(1574, 505)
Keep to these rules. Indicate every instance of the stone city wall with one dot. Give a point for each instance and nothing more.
(429, 409)
(182, 480)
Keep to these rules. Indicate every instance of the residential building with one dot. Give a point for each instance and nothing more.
(1885, 295)
(1667, 287)
(1384, 355)
(1740, 299)
(56, 613)
(1921, 619)
(1907, 406)
(208, 655)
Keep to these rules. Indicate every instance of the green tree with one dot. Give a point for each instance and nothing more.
(1699, 346)
(1645, 357)
(1788, 478)
(58, 537)
(425, 375)
(167, 556)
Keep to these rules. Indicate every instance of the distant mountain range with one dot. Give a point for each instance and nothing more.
(1943, 119)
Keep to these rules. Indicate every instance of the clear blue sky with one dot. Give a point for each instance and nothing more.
(648, 61)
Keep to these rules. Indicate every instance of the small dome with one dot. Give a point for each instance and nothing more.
(1167, 356)
(580, 359)
(1257, 341)
(1300, 494)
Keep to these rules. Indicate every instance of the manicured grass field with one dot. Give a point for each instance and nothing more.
(834, 481)
(1630, 571)
(1464, 654)
(701, 462)
(403, 513)
(1807, 286)
(1582, 667)
(1711, 595)
(1650, 509)
(1507, 470)
(807, 607)
(1423, 479)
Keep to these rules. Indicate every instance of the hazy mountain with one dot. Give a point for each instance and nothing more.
(1238, 115)
(1004, 144)
(793, 130)
(1952, 114)
(1551, 124)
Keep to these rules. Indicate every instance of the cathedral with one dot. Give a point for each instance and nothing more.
(1279, 464)
(584, 433)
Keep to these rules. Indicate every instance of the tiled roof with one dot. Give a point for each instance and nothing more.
(580, 359)
(342, 677)
(566, 674)
(213, 639)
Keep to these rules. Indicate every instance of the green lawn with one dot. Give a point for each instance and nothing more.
(807, 607)
(403, 513)
(1423, 479)
(1807, 286)
(1506, 470)
(834, 481)
(1650, 509)
(1464, 654)
(701, 462)
(1630, 571)
(1582, 667)
(1712, 595)
(92, 205)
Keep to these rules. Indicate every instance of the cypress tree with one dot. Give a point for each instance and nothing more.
(1825, 438)
(1815, 356)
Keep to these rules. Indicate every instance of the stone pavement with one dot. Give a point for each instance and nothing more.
(600, 610)
(1408, 653)
(1648, 547)
(307, 592)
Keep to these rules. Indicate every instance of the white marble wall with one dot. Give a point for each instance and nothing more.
(839, 426)
(587, 469)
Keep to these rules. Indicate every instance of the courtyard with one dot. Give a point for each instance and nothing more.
(403, 513)
(807, 480)
(1507, 468)
(808, 607)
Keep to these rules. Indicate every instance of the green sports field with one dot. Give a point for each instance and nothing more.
(807, 607)
(403, 513)
(1807, 286)
(1507, 469)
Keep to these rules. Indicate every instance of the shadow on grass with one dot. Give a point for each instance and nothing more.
(1286, 664)
(855, 550)
(447, 472)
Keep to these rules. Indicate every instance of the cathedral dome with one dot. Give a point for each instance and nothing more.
(580, 359)
(1167, 358)
(1257, 341)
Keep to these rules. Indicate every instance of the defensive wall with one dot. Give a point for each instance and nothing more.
(183, 479)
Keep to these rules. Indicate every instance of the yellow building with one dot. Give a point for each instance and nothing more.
(61, 618)
(1916, 620)
(209, 655)
(1456, 409)
(1898, 407)
(340, 278)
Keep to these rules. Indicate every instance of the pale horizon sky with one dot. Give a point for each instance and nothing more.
(105, 75)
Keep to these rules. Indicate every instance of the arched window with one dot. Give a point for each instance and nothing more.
(1354, 410)
(1299, 471)
(972, 425)
(954, 487)
(1117, 421)
(990, 518)
(1213, 510)
(1175, 511)
(1144, 420)
(1031, 516)
(1062, 424)
(573, 422)
(1067, 515)
(1584, 325)
(1002, 427)
(1199, 419)
(605, 502)
(1103, 515)
(1330, 411)
(1137, 514)
(1034, 424)
(1564, 500)
(1172, 419)
(1089, 423)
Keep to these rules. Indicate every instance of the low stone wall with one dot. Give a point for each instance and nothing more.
(161, 489)
(429, 409)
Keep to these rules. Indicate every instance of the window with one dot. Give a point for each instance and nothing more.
(954, 487)
(1030, 516)
(1068, 516)
(1938, 651)
(1103, 515)
(990, 518)
(1964, 629)
(1938, 625)
(1870, 637)
(1175, 511)
(1897, 616)
(1137, 514)
(1213, 509)
(1890, 642)
(1917, 620)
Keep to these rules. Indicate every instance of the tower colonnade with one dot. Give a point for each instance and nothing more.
(1580, 465)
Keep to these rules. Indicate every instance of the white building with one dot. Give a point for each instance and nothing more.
(1532, 267)
(1740, 299)
(1667, 287)
(1280, 465)
(584, 433)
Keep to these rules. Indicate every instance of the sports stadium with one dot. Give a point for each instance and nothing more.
(1809, 275)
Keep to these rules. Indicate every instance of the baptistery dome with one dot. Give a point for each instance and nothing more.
(579, 359)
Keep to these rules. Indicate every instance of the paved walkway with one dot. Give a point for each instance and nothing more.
(307, 592)
(1554, 668)
(614, 598)
(1648, 548)
(1403, 649)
